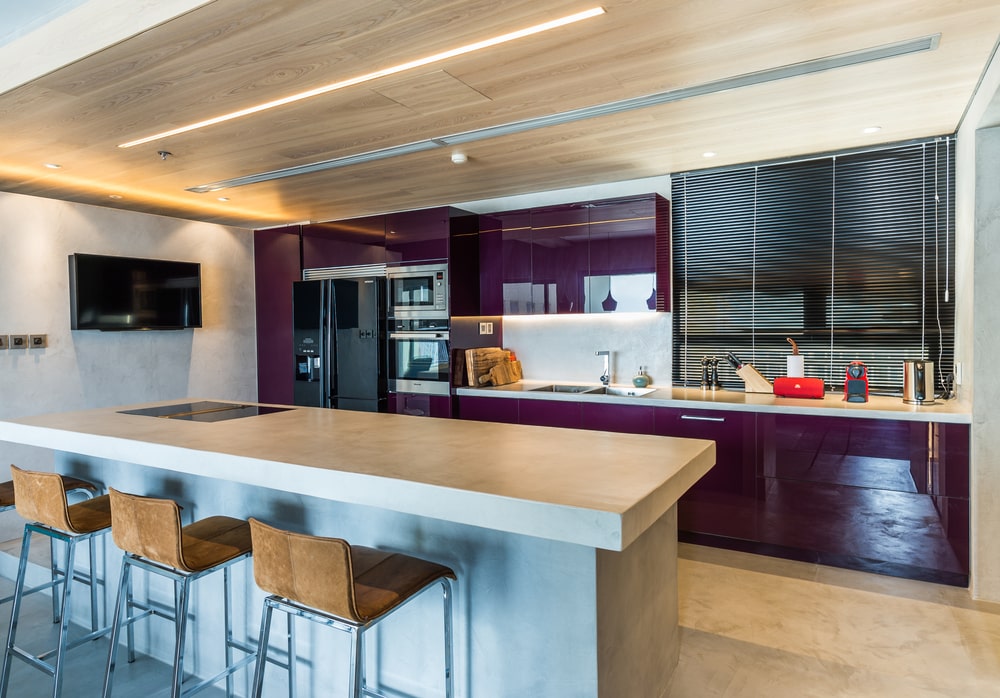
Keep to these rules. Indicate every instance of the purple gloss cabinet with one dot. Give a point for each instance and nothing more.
(545, 260)
(276, 267)
(344, 243)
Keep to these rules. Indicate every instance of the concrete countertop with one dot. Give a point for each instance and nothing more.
(591, 488)
(832, 405)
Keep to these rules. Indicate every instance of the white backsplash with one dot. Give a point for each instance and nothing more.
(561, 348)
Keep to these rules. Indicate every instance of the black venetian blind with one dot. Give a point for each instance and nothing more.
(852, 256)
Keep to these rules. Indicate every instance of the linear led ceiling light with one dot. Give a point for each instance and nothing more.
(409, 65)
(842, 60)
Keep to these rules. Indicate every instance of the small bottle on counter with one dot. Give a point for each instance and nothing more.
(640, 379)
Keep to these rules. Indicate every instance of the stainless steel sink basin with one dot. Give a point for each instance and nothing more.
(565, 389)
(621, 392)
(595, 390)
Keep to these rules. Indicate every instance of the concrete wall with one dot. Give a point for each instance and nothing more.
(85, 369)
(985, 437)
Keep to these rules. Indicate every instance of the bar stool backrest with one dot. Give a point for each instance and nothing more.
(41, 497)
(309, 570)
(148, 527)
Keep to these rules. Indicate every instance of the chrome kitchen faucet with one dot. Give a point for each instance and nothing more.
(606, 376)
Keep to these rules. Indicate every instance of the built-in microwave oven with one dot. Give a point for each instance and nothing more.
(418, 291)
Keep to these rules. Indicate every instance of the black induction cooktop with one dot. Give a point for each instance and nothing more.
(205, 411)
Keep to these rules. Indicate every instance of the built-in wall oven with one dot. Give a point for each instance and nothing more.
(418, 292)
(418, 356)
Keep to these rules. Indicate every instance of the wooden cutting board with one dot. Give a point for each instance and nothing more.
(503, 373)
(478, 362)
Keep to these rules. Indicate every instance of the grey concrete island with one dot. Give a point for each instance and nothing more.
(564, 540)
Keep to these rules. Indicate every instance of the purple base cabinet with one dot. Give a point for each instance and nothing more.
(420, 405)
(549, 413)
(624, 419)
(724, 501)
(488, 409)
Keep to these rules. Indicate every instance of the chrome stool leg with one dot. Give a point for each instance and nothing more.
(66, 579)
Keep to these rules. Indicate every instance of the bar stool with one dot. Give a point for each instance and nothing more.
(149, 531)
(350, 588)
(71, 485)
(41, 498)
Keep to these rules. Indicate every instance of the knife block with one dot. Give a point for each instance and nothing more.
(754, 380)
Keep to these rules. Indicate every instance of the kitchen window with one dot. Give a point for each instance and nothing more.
(850, 255)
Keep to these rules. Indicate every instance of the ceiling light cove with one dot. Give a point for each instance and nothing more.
(393, 70)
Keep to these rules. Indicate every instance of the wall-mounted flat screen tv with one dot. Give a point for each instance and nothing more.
(125, 293)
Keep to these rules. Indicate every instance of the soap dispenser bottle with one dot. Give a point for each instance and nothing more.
(640, 379)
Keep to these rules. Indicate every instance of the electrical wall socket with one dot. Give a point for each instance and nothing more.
(3, 341)
(38, 341)
(19, 341)
(485, 328)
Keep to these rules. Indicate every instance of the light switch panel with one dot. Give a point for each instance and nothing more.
(3, 341)
(19, 341)
(38, 341)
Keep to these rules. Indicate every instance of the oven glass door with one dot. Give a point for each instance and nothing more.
(418, 361)
(412, 291)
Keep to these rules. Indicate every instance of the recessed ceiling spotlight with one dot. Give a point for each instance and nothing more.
(871, 129)
(223, 198)
(392, 70)
(53, 166)
(114, 196)
(459, 158)
(708, 154)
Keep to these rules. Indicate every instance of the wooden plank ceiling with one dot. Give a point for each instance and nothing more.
(230, 54)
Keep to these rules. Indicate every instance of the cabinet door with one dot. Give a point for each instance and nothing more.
(420, 405)
(490, 266)
(519, 297)
(624, 419)
(344, 243)
(724, 501)
(560, 258)
(417, 236)
(276, 268)
(549, 413)
(488, 409)
(622, 256)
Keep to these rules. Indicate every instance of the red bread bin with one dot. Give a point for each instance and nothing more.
(799, 387)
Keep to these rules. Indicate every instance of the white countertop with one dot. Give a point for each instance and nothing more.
(592, 488)
(832, 405)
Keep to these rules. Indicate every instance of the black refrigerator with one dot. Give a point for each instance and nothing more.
(340, 343)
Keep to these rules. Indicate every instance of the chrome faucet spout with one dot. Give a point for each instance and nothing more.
(606, 376)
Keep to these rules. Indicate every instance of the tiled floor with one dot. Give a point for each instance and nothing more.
(751, 627)
(758, 626)
(84, 673)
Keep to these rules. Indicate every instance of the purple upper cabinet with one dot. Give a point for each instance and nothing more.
(463, 263)
(276, 266)
(662, 254)
(417, 236)
(344, 243)
(622, 255)
(559, 258)
(490, 265)
(515, 250)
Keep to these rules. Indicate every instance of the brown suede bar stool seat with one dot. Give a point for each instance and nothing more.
(149, 530)
(351, 588)
(41, 498)
(70, 485)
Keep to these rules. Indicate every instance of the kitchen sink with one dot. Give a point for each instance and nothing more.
(565, 389)
(595, 390)
(621, 392)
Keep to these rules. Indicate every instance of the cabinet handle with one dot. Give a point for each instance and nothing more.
(702, 419)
